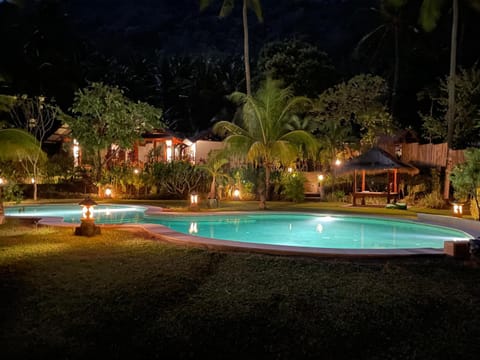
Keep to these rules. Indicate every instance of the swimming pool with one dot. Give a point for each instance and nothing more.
(278, 229)
(72, 213)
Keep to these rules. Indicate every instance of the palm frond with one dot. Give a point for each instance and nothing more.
(238, 98)
(302, 138)
(227, 8)
(204, 4)
(225, 128)
(256, 7)
(430, 13)
(16, 144)
(285, 152)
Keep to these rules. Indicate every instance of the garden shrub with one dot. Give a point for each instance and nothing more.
(336, 196)
(474, 208)
(433, 200)
(293, 187)
(12, 192)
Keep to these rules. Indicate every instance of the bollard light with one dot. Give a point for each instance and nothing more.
(108, 192)
(194, 201)
(457, 209)
(236, 194)
(87, 208)
(194, 198)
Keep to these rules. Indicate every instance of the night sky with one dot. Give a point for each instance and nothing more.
(56, 47)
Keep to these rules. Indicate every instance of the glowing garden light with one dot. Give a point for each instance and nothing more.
(87, 223)
(236, 194)
(194, 201)
(457, 209)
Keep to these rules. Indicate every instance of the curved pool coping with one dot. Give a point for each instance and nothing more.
(164, 233)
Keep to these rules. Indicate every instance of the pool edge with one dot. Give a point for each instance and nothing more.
(166, 234)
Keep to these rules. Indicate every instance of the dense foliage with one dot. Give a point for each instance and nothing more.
(466, 180)
(104, 117)
(266, 137)
(177, 179)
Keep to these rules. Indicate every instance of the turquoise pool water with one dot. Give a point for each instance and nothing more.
(305, 230)
(323, 231)
(103, 214)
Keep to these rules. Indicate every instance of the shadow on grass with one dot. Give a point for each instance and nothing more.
(121, 296)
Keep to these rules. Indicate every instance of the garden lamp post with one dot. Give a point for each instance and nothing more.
(321, 191)
(87, 223)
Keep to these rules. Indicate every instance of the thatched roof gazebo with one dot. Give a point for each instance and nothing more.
(376, 161)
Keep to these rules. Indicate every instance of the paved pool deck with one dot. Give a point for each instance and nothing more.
(164, 233)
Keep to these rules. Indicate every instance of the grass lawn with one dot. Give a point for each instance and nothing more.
(121, 296)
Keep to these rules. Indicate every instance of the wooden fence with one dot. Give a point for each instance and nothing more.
(429, 154)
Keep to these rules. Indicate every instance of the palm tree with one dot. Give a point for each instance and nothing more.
(226, 9)
(265, 138)
(390, 13)
(214, 167)
(15, 145)
(430, 13)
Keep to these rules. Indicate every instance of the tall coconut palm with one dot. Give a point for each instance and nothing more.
(226, 9)
(15, 145)
(265, 137)
(430, 13)
(390, 11)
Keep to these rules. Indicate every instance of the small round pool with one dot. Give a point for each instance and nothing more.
(103, 214)
(278, 229)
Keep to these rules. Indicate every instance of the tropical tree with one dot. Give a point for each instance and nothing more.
(359, 104)
(37, 116)
(298, 63)
(430, 13)
(225, 10)
(390, 12)
(15, 145)
(467, 109)
(264, 138)
(215, 167)
(104, 119)
(466, 180)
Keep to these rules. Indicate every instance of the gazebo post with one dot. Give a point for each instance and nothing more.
(395, 172)
(388, 186)
(354, 181)
(363, 186)
(354, 187)
(363, 180)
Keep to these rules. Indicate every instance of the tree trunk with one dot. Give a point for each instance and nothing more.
(396, 71)
(451, 98)
(264, 191)
(2, 209)
(246, 51)
(35, 190)
(213, 188)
